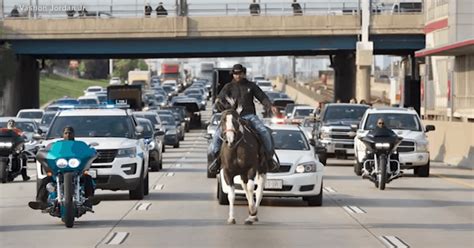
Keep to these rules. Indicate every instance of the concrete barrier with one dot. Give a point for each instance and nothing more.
(451, 143)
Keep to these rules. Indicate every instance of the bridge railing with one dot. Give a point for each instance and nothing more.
(75, 9)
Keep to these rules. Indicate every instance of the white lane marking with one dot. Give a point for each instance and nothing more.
(329, 190)
(178, 165)
(170, 174)
(354, 209)
(393, 242)
(159, 187)
(116, 238)
(143, 206)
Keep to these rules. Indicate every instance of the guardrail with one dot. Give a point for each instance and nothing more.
(44, 9)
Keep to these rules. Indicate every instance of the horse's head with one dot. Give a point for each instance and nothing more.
(231, 126)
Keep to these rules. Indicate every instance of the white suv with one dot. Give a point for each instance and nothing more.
(413, 151)
(122, 163)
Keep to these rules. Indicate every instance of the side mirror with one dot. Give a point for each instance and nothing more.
(208, 136)
(94, 144)
(39, 131)
(37, 136)
(312, 142)
(354, 127)
(157, 127)
(159, 133)
(430, 128)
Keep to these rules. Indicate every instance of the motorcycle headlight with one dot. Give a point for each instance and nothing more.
(421, 147)
(306, 167)
(187, 118)
(61, 163)
(382, 145)
(127, 153)
(6, 145)
(74, 162)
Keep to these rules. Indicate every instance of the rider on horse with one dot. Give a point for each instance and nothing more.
(243, 92)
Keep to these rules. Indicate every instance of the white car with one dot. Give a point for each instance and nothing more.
(173, 84)
(88, 100)
(35, 114)
(300, 175)
(115, 81)
(92, 90)
(265, 85)
(123, 158)
(413, 151)
(213, 124)
(300, 112)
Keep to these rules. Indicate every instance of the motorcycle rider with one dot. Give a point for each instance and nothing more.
(11, 125)
(243, 92)
(42, 194)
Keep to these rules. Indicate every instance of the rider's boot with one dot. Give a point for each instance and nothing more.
(37, 205)
(272, 164)
(24, 175)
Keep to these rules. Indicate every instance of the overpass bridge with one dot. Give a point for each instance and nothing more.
(207, 36)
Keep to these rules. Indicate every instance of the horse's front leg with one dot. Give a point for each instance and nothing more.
(261, 179)
(231, 197)
(252, 209)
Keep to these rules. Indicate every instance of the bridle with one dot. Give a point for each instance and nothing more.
(236, 132)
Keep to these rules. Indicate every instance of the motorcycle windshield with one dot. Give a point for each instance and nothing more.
(69, 155)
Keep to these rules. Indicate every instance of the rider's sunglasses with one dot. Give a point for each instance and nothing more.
(237, 73)
(380, 123)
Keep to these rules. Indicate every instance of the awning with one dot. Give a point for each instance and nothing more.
(454, 49)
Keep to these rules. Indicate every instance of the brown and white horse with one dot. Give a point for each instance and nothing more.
(242, 155)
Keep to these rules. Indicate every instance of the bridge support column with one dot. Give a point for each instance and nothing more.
(344, 76)
(364, 59)
(20, 90)
(412, 96)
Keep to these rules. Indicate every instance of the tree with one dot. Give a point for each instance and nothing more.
(94, 68)
(123, 66)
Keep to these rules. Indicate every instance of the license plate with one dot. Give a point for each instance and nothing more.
(273, 184)
(92, 173)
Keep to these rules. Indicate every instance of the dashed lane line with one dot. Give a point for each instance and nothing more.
(354, 210)
(329, 190)
(116, 238)
(456, 181)
(170, 174)
(159, 187)
(143, 206)
(393, 242)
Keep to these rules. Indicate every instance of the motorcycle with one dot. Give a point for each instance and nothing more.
(13, 156)
(66, 161)
(381, 164)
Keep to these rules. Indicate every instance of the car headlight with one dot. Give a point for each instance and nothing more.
(187, 118)
(61, 163)
(421, 147)
(382, 145)
(6, 145)
(74, 162)
(127, 153)
(306, 167)
(163, 104)
(325, 134)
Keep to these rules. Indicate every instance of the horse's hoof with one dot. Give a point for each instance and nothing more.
(248, 222)
(231, 221)
(255, 218)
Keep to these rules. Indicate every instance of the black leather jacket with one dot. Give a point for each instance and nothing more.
(243, 92)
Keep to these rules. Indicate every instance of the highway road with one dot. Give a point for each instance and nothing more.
(182, 211)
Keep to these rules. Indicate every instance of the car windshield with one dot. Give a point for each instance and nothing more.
(87, 101)
(160, 98)
(66, 102)
(340, 113)
(394, 121)
(196, 96)
(167, 120)
(31, 115)
(147, 129)
(149, 117)
(289, 140)
(94, 89)
(303, 112)
(102, 98)
(27, 127)
(167, 88)
(47, 118)
(264, 84)
(93, 126)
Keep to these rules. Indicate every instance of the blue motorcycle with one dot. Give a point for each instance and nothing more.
(66, 161)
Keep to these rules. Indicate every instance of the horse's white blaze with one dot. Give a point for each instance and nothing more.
(229, 126)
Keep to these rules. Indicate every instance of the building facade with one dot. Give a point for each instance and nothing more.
(447, 88)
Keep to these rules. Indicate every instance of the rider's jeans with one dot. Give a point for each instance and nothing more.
(257, 124)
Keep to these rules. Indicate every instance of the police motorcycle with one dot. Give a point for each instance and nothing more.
(66, 161)
(13, 156)
(381, 164)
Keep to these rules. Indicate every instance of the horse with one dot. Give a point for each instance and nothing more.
(242, 155)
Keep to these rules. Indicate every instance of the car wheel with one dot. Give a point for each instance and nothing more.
(138, 192)
(357, 168)
(155, 165)
(176, 145)
(322, 158)
(211, 174)
(146, 188)
(221, 196)
(315, 200)
(163, 148)
(423, 171)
